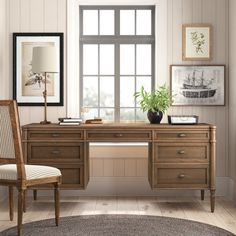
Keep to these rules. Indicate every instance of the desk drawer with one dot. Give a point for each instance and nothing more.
(181, 177)
(195, 152)
(55, 135)
(182, 135)
(55, 152)
(118, 135)
(72, 176)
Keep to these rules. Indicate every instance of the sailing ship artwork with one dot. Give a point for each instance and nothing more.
(197, 85)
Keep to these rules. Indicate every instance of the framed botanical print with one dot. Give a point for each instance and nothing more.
(196, 42)
(198, 85)
(28, 87)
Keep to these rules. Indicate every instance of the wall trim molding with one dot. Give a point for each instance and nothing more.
(139, 186)
(134, 186)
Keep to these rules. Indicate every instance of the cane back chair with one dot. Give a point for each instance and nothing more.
(13, 171)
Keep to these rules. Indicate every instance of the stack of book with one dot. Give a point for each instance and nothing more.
(70, 121)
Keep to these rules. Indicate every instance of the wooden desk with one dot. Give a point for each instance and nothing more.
(180, 156)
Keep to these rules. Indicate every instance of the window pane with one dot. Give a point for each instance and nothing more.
(93, 113)
(90, 22)
(140, 115)
(107, 59)
(107, 91)
(127, 59)
(144, 81)
(144, 59)
(127, 114)
(127, 22)
(143, 25)
(127, 91)
(90, 59)
(107, 22)
(107, 114)
(90, 91)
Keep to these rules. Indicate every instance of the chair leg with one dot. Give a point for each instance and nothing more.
(202, 195)
(11, 203)
(20, 211)
(24, 200)
(57, 203)
(35, 194)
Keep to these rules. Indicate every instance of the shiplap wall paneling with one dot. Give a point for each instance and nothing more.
(232, 94)
(36, 16)
(25, 23)
(214, 12)
(118, 167)
(222, 57)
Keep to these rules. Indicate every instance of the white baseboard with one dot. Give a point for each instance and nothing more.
(3, 193)
(231, 192)
(129, 186)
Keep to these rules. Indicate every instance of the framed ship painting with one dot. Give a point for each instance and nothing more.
(198, 85)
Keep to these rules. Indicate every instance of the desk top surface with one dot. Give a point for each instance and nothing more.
(118, 126)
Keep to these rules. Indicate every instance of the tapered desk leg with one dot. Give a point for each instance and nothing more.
(212, 200)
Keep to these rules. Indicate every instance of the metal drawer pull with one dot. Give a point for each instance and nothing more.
(55, 135)
(181, 176)
(181, 152)
(118, 135)
(181, 135)
(55, 152)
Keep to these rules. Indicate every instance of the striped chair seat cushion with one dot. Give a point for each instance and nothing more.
(9, 172)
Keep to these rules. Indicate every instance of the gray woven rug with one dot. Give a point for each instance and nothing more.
(118, 225)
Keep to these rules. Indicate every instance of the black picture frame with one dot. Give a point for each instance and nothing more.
(23, 44)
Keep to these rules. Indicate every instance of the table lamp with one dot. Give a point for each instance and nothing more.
(45, 60)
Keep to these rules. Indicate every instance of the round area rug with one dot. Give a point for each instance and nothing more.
(117, 225)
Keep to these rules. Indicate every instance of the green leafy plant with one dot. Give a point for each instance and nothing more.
(158, 100)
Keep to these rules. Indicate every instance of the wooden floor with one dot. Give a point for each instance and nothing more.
(186, 208)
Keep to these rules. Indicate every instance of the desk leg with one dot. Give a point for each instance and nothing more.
(212, 200)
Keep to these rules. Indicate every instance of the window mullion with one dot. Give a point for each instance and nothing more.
(117, 82)
(99, 81)
(117, 67)
(81, 76)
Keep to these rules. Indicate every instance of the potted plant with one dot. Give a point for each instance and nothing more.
(155, 102)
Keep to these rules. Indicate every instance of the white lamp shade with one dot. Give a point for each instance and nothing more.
(45, 59)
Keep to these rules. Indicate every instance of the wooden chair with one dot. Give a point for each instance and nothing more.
(13, 171)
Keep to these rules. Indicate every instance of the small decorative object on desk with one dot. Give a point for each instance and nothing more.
(94, 121)
(182, 120)
(69, 121)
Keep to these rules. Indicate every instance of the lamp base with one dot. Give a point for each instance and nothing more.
(45, 122)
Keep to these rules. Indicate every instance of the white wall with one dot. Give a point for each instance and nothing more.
(3, 67)
(50, 15)
(232, 95)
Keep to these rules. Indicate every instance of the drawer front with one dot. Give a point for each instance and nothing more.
(192, 177)
(118, 135)
(55, 135)
(72, 175)
(183, 135)
(181, 153)
(55, 152)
